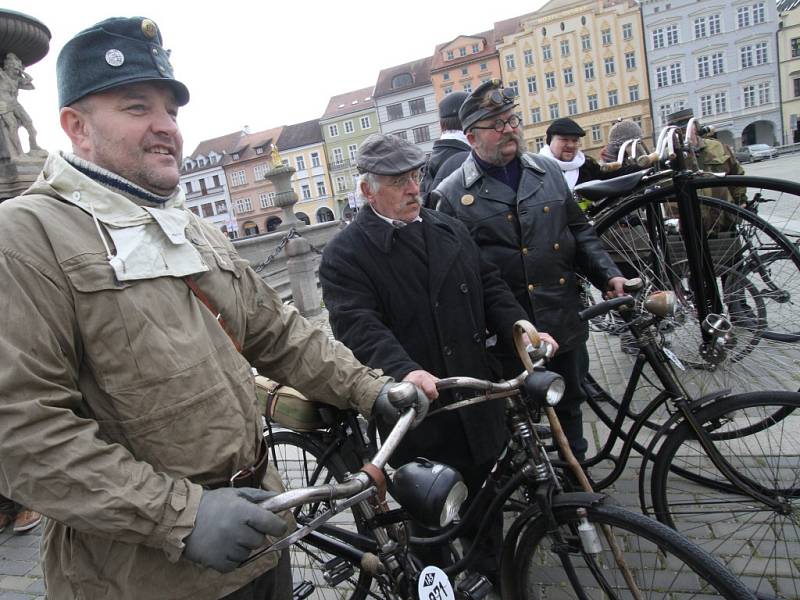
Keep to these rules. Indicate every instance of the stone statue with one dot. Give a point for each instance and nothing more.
(277, 161)
(12, 115)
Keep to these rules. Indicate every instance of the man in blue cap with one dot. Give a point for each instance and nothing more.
(127, 397)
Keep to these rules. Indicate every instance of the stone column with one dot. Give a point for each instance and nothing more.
(301, 265)
(285, 198)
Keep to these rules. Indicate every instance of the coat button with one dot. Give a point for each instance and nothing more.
(464, 288)
(562, 281)
(510, 216)
(546, 209)
(531, 287)
(524, 250)
(436, 304)
(448, 351)
(556, 246)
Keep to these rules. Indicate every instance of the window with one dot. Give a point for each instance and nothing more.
(658, 38)
(321, 189)
(416, 106)
(484, 66)
(450, 55)
(301, 163)
(717, 63)
(795, 47)
(796, 84)
(220, 207)
(700, 30)
(746, 56)
(207, 210)
(661, 77)
(633, 93)
(259, 171)
(613, 98)
(195, 210)
(305, 191)
(532, 89)
(448, 90)
(352, 150)
(588, 70)
(266, 200)
(476, 48)
(759, 15)
(216, 180)
(554, 110)
(572, 106)
(714, 27)
(315, 159)
(188, 187)
(446, 76)
(596, 135)
(340, 185)
(468, 88)
(564, 44)
(242, 205)
(510, 64)
(464, 71)
(514, 85)
(586, 43)
(764, 93)
(546, 52)
(536, 113)
(527, 55)
(630, 60)
(743, 17)
(394, 112)
(568, 78)
(338, 159)
(706, 106)
(539, 142)
(608, 65)
(672, 35)
(333, 130)
(702, 67)
(238, 178)
(627, 32)
(605, 37)
(592, 100)
(550, 80)
(462, 51)
(749, 96)
(721, 102)
(761, 53)
(675, 73)
(421, 134)
(402, 80)
(348, 127)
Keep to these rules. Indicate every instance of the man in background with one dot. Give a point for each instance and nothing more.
(450, 150)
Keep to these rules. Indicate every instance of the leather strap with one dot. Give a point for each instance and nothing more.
(378, 478)
(249, 476)
(217, 315)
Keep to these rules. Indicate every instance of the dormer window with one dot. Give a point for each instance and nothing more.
(235, 156)
(402, 80)
(260, 150)
(450, 55)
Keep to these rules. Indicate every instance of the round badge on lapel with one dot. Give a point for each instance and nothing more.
(467, 199)
(115, 57)
(149, 29)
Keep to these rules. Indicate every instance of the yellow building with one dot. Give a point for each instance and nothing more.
(789, 56)
(579, 59)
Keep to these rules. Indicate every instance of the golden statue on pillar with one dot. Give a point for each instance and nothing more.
(277, 161)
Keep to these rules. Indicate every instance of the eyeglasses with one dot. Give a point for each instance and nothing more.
(401, 181)
(500, 124)
(498, 97)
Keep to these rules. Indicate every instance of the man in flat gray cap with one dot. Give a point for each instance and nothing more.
(126, 394)
(408, 292)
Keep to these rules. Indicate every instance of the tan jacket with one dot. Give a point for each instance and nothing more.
(118, 400)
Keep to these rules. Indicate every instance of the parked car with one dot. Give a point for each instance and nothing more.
(755, 152)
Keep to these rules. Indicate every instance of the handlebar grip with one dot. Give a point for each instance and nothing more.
(604, 307)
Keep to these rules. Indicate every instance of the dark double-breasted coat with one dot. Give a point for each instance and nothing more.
(537, 236)
(446, 156)
(400, 308)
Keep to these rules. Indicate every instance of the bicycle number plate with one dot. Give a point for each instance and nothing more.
(673, 358)
(434, 585)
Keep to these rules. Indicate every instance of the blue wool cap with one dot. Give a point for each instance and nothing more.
(114, 52)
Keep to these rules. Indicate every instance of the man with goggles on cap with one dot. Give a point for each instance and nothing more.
(127, 399)
(519, 209)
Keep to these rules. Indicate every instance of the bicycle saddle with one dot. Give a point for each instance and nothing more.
(602, 188)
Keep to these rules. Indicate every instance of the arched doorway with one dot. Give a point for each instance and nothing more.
(324, 215)
(272, 223)
(250, 228)
(303, 217)
(759, 132)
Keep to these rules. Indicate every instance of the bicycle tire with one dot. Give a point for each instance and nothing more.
(664, 563)
(297, 459)
(625, 229)
(692, 496)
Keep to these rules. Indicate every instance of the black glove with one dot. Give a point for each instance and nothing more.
(390, 406)
(229, 525)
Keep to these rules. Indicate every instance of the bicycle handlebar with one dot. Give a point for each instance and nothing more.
(603, 307)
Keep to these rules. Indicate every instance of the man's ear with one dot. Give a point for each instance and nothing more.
(471, 137)
(75, 125)
(365, 190)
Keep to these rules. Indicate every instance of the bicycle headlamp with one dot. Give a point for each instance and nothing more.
(660, 304)
(545, 386)
(432, 493)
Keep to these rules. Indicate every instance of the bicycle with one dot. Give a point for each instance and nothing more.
(671, 226)
(720, 468)
(560, 544)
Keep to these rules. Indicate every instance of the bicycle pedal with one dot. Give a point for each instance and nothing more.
(336, 570)
(302, 590)
(473, 587)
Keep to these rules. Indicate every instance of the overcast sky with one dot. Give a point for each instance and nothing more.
(261, 64)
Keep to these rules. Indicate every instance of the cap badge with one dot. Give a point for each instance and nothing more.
(149, 29)
(115, 57)
(467, 199)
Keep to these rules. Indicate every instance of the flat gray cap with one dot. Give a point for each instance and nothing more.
(388, 155)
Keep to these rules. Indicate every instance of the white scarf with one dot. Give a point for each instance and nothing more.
(569, 169)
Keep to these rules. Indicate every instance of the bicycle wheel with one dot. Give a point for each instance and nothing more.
(663, 563)
(757, 270)
(757, 434)
(297, 458)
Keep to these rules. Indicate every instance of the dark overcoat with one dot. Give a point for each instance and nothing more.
(537, 236)
(398, 314)
(446, 156)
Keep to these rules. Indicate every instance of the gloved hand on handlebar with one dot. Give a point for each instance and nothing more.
(229, 525)
(391, 406)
